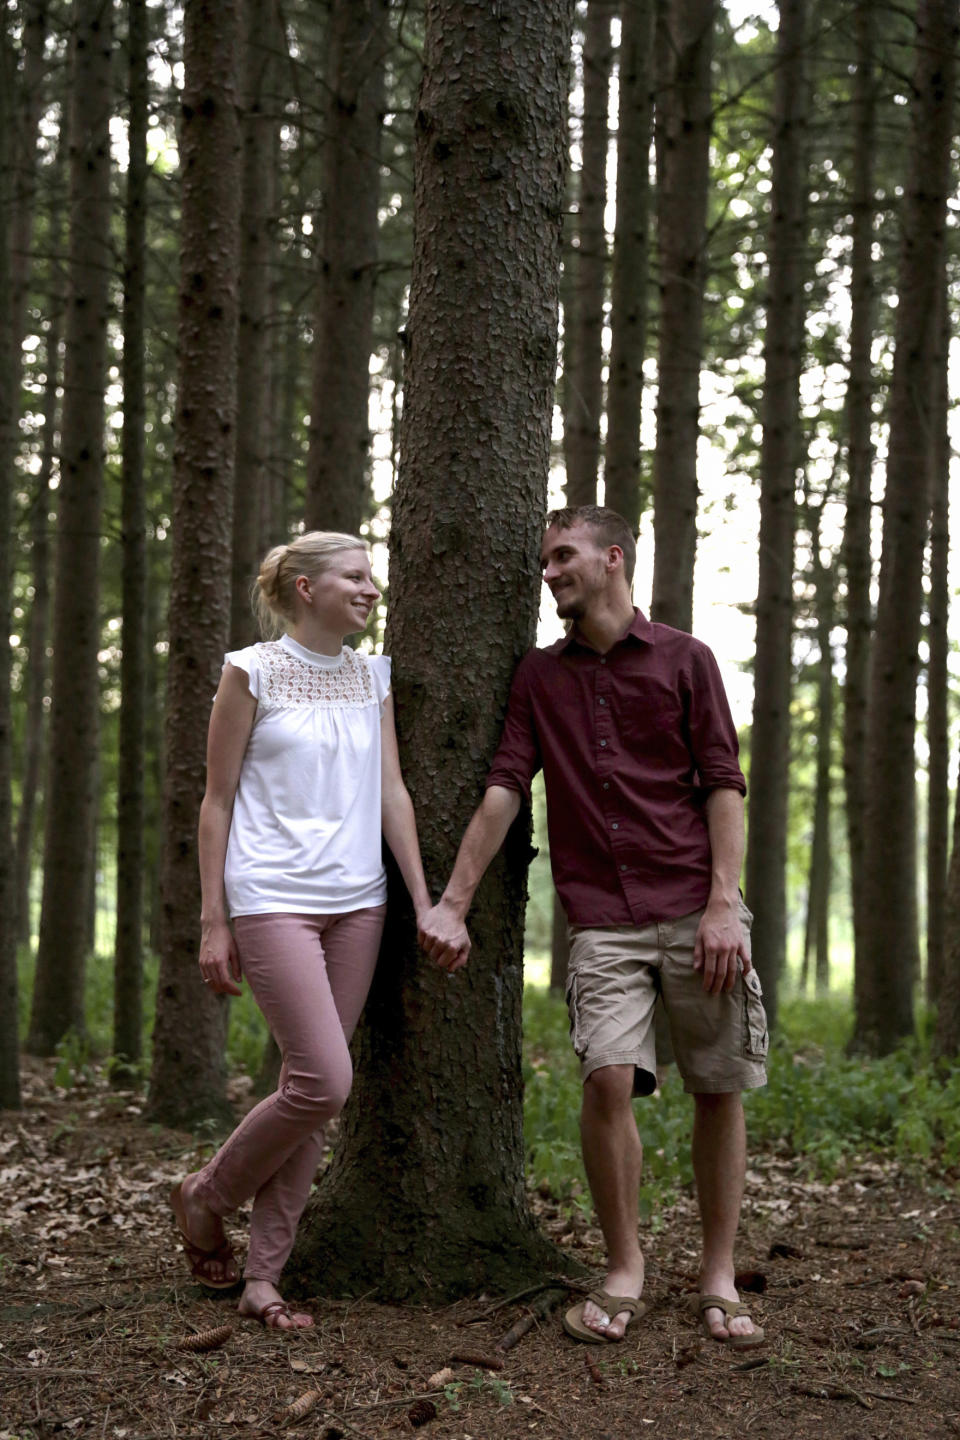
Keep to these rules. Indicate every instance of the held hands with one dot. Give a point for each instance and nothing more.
(443, 936)
(720, 943)
(219, 962)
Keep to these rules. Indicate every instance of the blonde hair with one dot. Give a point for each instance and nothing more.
(274, 590)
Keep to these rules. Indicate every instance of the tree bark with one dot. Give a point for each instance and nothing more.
(856, 559)
(587, 258)
(188, 1073)
(258, 125)
(338, 459)
(25, 129)
(628, 283)
(9, 397)
(938, 680)
(128, 944)
(684, 120)
(74, 715)
(779, 464)
(888, 962)
(425, 1193)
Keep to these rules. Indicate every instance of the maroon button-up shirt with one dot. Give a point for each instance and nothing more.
(630, 743)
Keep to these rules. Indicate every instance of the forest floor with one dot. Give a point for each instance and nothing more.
(857, 1281)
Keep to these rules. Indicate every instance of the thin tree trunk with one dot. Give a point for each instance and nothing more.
(779, 465)
(128, 945)
(559, 947)
(25, 128)
(947, 1035)
(938, 686)
(188, 1073)
(587, 261)
(250, 480)
(337, 463)
(628, 284)
(856, 559)
(74, 715)
(817, 936)
(425, 1192)
(9, 407)
(888, 961)
(684, 120)
(37, 671)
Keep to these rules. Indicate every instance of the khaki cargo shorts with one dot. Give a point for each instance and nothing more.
(615, 976)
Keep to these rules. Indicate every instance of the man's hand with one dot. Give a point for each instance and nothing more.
(719, 944)
(443, 936)
(219, 961)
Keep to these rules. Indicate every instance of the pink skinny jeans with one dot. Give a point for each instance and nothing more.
(310, 975)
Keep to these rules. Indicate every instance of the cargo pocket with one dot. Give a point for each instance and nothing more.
(756, 1041)
(577, 1037)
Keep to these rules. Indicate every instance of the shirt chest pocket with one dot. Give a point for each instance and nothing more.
(649, 714)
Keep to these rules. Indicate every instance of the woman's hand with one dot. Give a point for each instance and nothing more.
(219, 961)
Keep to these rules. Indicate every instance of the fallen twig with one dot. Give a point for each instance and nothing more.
(593, 1368)
(547, 1302)
(830, 1390)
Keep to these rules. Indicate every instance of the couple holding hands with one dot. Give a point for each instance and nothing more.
(631, 726)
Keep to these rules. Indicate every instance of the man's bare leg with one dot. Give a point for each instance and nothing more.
(719, 1164)
(613, 1158)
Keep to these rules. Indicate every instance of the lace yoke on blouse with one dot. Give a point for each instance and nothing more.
(287, 682)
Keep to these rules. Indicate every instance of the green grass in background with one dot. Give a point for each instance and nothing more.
(820, 1104)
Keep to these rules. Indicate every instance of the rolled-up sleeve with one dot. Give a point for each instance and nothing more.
(711, 732)
(518, 755)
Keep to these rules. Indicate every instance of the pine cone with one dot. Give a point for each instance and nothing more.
(422, 1413)
(299, 1407)
(206, 1340)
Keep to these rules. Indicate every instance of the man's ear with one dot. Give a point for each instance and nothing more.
(614, 557)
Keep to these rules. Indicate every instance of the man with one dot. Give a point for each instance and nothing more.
(631, 726)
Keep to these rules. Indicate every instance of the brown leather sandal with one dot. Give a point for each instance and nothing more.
(270, 1313)
(201, 1261)
(731, 1309)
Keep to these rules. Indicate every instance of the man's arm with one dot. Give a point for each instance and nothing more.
(442, 931)
(720, 939)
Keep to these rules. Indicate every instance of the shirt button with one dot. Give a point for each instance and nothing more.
(606, 784)
(614, 826)
(603, 659)
(623, 867)
(601, 702)
(602, 744)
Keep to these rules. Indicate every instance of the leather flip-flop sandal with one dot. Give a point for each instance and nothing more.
(271, 1312)
(613, 1305)
(731, 1309)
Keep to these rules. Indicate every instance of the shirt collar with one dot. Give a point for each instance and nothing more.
(642, 629)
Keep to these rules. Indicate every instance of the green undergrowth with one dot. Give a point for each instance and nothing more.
(820, 1106)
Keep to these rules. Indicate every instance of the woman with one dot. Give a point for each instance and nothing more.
(302, 775)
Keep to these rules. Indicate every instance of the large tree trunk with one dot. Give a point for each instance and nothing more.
(128, 945)
(628, 283)
(337, 464)
(779, 464)
(250, 479)
(856, 559)
(74, 715)
(586, 258)
(938, 677)
(684, 118)
(188, 1073)
(425, 1193)
(888, 961)
(9, 396)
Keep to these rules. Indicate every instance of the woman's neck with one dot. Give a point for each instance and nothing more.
(315, 637)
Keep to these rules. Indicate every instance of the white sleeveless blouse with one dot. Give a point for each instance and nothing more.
(305, 833)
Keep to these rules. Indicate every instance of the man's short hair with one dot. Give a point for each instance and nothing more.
(608, 527)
